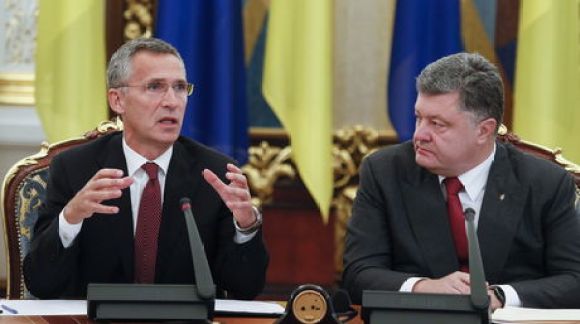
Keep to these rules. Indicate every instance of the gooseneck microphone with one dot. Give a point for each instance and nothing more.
(159, 302)
(400, 307)
(479, 296)
(205, 286)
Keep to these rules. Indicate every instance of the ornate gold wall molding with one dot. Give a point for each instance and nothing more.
(18, 24)
(139, 17)
(17, 89)
(267, 164)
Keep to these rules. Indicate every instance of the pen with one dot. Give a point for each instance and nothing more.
(9, 309)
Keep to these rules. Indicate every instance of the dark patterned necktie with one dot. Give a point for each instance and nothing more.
(147, 231)
(457, 221)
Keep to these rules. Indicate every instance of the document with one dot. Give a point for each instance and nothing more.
(241, 307)
(28, 307)
(79, 307)
(533, 315)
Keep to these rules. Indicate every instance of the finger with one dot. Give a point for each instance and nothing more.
(236, 194)
(233, 168)
(108, 183)
(101, 195)
(108, 173)
(239, 205)
(215, 182)
(105, 209)
(239, 180)
(464, 278)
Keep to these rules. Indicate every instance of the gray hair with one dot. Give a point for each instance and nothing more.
(476, 79)
(119, 69)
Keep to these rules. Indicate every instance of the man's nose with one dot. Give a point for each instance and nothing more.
(170, 98)
(421, 132)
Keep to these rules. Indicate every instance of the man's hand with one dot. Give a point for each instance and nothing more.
(104, 185)
(236, 195)
(494, 303)
(454, 283)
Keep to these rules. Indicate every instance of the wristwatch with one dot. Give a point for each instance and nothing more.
(252, 228)
(499, 294)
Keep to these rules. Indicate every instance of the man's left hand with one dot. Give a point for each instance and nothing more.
(494, 303)
(236, 194)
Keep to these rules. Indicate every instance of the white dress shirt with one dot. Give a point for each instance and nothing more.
(68, 232)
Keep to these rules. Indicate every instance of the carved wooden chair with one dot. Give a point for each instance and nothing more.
(23, 191)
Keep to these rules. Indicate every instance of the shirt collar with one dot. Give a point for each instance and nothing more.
(474, 180)
(136, 160)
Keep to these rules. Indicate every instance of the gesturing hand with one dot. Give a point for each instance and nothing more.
(236, 194)
(104, 185)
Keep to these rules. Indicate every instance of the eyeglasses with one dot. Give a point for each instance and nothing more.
(159, 88)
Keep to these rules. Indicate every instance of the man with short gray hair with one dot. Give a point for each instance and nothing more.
(112, 212)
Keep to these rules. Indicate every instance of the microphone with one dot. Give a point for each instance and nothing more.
(342, 305)
(400, 307)
(479, 297)
(205, 286)
(159, 302)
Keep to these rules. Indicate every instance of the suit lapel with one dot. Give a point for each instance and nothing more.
(121, 228)
(183, 179)
(500, 214)
(427, 215)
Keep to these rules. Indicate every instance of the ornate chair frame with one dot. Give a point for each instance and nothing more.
(22, 193)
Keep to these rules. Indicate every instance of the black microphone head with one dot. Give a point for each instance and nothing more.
(469, 214)
(341, 301)
(342, 305)
(185, 203)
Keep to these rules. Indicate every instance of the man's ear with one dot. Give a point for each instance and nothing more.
(486, 129)
(116, 101)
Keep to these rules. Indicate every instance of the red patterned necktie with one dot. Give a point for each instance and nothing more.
(148, 227)
(457, 221)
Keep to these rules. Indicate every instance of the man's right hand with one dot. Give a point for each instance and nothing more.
(454, 283)
(104, 185)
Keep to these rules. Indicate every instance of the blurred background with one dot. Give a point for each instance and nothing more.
(298, 91)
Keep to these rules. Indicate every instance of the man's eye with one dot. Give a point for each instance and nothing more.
(437, 124)
(154, 86)
(180, 87)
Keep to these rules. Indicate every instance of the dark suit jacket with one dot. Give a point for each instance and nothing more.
(528, 231)
(103, 250)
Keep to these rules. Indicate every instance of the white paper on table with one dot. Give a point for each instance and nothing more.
(79, 307)
(535, 315)
(227, 306)
(45, 307)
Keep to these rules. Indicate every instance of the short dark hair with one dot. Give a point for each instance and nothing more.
(476, 79)
(119, 69)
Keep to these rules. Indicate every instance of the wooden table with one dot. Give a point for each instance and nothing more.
(84, 320)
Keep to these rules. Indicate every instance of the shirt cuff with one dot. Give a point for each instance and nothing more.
(408, 285)
(67, 232)
(241, 238)
(511, 296)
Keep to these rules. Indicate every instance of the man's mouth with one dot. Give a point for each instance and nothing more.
(421, 150)
(168, 121)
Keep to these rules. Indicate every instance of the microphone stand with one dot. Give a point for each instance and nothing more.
(410, 308)
(159, 302)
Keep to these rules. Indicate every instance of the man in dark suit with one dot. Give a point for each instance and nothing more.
(91, 227)
(400, 237)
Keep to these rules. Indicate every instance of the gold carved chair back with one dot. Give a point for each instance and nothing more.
(23, 191)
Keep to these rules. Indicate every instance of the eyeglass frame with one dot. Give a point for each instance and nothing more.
(166, 86)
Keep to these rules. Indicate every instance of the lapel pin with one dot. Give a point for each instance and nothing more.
(501, 196)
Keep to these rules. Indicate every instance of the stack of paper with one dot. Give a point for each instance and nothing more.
(534, 315)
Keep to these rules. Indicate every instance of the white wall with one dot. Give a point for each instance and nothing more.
(20, 130)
